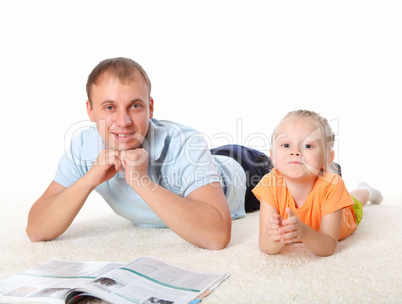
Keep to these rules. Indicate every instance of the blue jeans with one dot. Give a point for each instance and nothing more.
(255, 163)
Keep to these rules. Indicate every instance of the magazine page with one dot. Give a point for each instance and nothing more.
(149, 280)
(50, 281)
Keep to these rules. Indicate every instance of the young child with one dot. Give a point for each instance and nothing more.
(301, 200)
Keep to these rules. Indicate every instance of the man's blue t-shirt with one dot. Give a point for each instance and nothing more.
(179, 160)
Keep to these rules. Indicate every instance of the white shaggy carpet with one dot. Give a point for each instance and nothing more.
(366, 267)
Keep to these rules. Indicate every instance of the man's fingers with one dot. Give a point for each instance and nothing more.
(114, 160)
(135, 157)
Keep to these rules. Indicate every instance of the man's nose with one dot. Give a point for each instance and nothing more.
(123, 119)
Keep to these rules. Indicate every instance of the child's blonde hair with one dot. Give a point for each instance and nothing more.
(327, 134)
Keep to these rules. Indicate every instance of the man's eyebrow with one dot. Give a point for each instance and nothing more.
(110, 101)
(107, 101)
(137, 100)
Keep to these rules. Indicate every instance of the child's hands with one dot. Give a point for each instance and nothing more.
(292, 229)
(272, 228)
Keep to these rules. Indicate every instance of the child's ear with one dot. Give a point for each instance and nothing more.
(272, 155)
(331, 157)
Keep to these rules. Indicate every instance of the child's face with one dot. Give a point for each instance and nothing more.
(298, 151)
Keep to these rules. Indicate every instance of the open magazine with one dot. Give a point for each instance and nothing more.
(145, 280)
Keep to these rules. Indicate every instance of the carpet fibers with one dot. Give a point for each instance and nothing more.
(366, 267)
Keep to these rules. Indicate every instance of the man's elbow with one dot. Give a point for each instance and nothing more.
(219, 242)
(33, 237)
(37, 236)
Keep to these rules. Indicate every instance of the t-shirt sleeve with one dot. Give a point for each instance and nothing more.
(336, 196)
(193, 165)
(72, 165)
(66, 173)
(265, 190)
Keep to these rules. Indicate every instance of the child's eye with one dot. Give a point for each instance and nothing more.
(285, 145)
(307, 146)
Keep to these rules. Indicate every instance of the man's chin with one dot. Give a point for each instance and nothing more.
(126, 147)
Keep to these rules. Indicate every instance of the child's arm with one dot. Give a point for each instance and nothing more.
(322, 243)
(270, 222)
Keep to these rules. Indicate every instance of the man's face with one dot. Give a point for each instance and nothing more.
(121, 112)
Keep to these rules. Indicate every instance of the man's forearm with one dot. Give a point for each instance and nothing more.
(194, 220)
(54, 212)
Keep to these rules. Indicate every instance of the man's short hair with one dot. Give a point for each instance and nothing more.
(124, 69)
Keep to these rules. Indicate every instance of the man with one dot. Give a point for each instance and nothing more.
(154, 173)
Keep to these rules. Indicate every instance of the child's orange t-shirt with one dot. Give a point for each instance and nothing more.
(328, 195)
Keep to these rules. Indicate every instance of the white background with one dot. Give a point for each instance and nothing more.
(230, 69)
